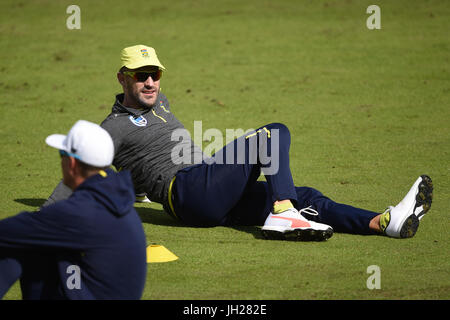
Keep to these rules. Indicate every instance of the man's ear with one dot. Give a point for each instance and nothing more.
(73, 165)
(121, 78)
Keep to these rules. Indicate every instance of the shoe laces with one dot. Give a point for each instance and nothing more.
(294, 212)
(309, 210)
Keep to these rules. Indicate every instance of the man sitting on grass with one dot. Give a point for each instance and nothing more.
(223, 190)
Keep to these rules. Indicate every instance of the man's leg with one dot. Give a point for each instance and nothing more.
(401, 221)
(204, 194)
(36, 270)
(342, 217)
(10, 272)
(255, 206)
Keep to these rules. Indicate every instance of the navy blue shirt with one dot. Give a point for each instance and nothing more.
(90, 246)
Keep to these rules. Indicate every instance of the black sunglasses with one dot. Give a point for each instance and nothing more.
(142, 76)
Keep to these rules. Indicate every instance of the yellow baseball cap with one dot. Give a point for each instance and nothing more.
(139, 56)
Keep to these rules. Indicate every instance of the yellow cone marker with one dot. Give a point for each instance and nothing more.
(158, 253)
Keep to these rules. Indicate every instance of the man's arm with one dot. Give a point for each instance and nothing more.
(53, 227)
(61, 192)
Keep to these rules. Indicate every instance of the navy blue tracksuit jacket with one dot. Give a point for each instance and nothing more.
(90, 246)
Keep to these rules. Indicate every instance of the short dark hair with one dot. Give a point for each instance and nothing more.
(121, 70)
(87, 170)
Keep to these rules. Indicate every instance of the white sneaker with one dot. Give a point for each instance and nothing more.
(402, 221)
(142, 198)
(291, 225)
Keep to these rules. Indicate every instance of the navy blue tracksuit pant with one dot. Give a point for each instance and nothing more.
(224, 190)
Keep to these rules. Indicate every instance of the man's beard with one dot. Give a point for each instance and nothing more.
(143, 103)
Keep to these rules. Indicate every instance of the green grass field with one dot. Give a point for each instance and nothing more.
(368, 110)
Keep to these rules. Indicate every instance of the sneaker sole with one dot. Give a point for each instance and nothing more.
(423, 198)
(425, 195)
(299, 235)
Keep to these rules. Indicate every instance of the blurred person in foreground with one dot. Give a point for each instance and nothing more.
(88, 246)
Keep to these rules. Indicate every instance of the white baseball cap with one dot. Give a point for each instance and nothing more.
(87, 142)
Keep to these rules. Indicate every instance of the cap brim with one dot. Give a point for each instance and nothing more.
(56, 141)
(140, 65)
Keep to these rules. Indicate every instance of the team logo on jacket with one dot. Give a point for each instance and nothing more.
(139, 121)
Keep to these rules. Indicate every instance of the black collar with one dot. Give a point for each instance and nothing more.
(120, 108)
